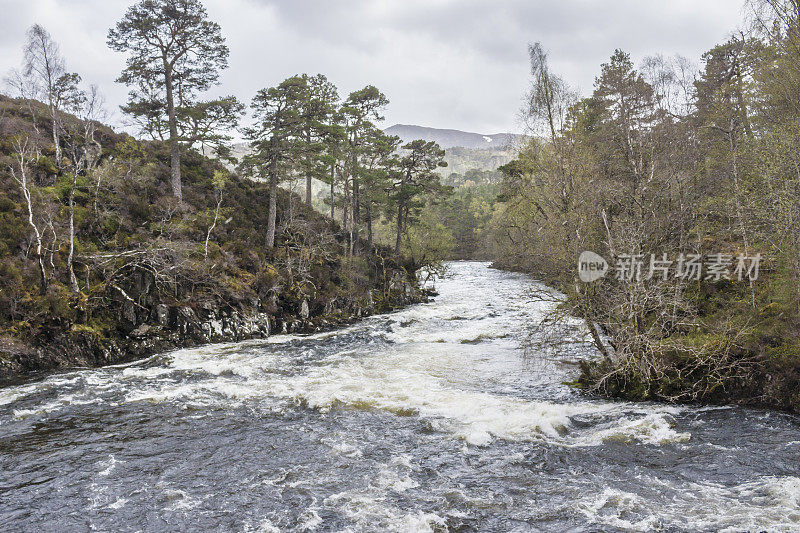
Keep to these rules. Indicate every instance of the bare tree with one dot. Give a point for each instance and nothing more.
(84, 154)
(24, 154)
(672, 79)
(549, 96)
(776, 19)
(25, 89)
(220, 182)
(45, 69)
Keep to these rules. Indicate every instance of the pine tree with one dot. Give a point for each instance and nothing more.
(276, 137)
(414, 178)
(378, 159)
(360, 110)
(175, 52)
(318, 107)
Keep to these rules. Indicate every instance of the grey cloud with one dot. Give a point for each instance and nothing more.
(443, 63)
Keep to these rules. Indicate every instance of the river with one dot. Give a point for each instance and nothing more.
(432, 418)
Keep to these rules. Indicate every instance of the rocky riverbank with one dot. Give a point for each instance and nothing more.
(163, 327)
(103, 266)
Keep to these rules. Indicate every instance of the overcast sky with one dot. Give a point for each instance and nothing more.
(443, 63)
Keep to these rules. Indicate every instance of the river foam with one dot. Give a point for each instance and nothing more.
(432, 418)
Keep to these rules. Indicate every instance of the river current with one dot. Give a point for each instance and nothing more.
(433, 418)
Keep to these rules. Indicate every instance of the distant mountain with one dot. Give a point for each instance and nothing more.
(463, 160)
(464, 151)
(453, 138)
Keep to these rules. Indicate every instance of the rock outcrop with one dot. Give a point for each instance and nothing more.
(144, 331)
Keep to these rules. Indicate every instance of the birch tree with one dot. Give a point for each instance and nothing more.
(44, 67)
(24, 154)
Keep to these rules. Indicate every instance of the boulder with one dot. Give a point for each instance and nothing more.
(162, 314)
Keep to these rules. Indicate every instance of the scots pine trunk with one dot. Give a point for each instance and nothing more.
(174, 148)
(399, 228)
(273, 202)
(369, 225)
(333, 175)
(308, 177)
(345, 203)
(356, 219)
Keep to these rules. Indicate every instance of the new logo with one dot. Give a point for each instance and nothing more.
(591, 267)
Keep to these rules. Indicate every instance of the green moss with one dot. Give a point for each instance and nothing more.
(87, 329)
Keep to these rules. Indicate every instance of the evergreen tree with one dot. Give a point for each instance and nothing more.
(318, 108)
(175, 52)
(378, 159)
(360, 110)
(414, 178)
(276, 137)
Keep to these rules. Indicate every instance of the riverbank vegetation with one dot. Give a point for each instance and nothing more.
(672, 159)
(113, 247)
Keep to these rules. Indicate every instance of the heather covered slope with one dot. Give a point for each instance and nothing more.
(152, 274)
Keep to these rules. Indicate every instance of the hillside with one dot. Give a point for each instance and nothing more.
(150, 274)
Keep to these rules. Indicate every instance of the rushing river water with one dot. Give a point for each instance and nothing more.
(428, 419)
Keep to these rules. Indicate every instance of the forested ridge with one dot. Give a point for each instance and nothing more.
(668, 159)
(115, 246)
